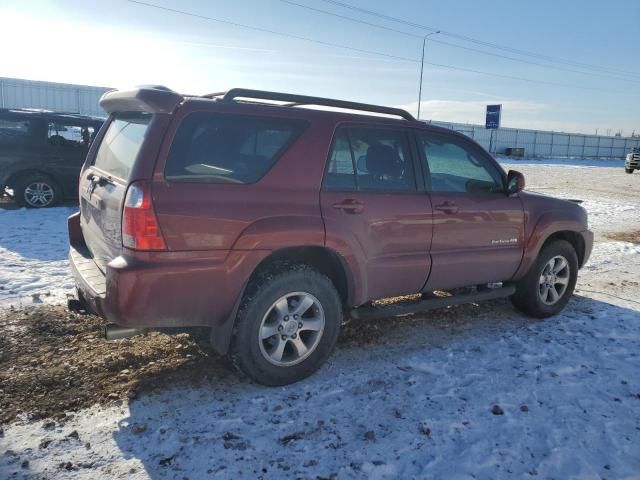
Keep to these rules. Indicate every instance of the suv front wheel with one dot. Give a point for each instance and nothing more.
(287, 325)
(36, 191)
(547, 287)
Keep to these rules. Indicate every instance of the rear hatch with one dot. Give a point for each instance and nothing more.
(103, 184)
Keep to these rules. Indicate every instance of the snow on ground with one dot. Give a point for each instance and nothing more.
(611, 196)
(468, 392)
(33, 255)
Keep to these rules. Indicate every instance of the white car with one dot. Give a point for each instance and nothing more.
(632, 162)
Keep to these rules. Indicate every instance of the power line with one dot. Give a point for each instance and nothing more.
(415, 35)
(511, 77)
(371, 52)
(273, 32)
(478, 41)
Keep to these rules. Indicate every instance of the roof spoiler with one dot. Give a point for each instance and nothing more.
(143, 98)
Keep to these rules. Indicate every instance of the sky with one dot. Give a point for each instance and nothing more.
(581, 70)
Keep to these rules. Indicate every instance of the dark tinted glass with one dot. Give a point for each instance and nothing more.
(15, 131)
(64, 134)
(121, 144)
(455, 166)
(211, 147)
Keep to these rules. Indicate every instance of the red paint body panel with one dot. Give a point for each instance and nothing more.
(218, 233)
(480, 240)
(389, 240)
(545, 216)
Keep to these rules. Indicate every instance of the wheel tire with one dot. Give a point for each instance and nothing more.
(49, 186)
(529, 289)
(628, 170)
(247, 349)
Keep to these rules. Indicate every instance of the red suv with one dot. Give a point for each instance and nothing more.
(268, 222)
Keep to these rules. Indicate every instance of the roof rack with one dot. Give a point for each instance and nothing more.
(295, 100)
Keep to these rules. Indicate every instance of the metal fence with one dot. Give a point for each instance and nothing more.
(60, 97)
(540, 143)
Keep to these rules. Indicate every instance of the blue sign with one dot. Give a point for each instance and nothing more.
(493, 116)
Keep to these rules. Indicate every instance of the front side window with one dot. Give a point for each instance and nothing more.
(63, 134)
(121, 144)
(370, 159)
(217, 148)
(14, 131)
(454, 166)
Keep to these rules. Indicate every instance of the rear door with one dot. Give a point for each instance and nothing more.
(478, 231)
(373, 209)
(104, 183)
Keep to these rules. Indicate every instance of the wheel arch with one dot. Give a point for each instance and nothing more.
(574, 238)
(322, 259)
(19, 174)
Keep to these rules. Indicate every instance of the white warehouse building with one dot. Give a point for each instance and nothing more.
(83, 99)
(59, 97)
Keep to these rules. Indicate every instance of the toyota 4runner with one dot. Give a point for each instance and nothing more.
(268, 222)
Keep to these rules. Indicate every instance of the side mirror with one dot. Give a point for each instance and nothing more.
(515, 182)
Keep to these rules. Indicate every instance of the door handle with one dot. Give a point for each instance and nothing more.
(350, 206)
(447, 207)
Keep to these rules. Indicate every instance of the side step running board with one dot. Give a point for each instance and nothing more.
(371, 312)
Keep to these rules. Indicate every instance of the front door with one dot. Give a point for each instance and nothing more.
(478, 231)
(374, 212)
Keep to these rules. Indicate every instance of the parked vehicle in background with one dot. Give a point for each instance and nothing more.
(41, 154)
(268, 223)
(632, 160)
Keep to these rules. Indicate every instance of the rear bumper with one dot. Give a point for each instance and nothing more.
(162, 289)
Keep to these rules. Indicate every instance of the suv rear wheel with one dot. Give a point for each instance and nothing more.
(547, 287)
(287, 325)
(628, 170)
(36, 191)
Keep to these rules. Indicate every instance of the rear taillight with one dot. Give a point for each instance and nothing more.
(140, 229)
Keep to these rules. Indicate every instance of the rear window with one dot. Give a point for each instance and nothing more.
(121, 144)
(217, 148)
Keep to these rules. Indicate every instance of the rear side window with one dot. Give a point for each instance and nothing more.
(217, 148)
(121, 144)
(370, 159)
(341, 172)
(63, 134)
(14, 131)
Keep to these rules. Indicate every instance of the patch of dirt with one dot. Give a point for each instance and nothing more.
(53, 360)
(633, 236)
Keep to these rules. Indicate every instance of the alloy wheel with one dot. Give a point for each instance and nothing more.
(38, 194)
(291, 329)
(554, 280)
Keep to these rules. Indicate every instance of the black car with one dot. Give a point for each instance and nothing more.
(41, 154)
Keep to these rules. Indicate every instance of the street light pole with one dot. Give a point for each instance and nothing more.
(424, 44)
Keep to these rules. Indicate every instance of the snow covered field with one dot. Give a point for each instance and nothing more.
(477, 391)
